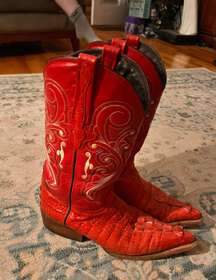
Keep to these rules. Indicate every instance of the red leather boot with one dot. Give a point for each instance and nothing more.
(131, 186)
(93, 118)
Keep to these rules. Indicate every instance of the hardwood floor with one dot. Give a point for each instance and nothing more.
(33, 61)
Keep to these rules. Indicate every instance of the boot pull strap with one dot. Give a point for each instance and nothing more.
(133, 41)
(86, 85)
(110, 56)
(121, 43)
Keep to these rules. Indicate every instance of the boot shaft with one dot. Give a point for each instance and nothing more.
(93, 117)
(153, 68)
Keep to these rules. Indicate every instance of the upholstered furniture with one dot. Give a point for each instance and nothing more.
(29, 20)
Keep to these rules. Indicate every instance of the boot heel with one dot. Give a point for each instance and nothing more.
(60, 229)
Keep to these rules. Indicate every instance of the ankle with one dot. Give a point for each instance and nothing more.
(76, 14)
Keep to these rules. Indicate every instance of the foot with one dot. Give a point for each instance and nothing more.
(150, 199)
(121, 231)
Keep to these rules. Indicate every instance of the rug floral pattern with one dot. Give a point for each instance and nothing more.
(179, 155)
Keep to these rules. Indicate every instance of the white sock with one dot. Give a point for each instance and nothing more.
(68, 6)
(82, 26)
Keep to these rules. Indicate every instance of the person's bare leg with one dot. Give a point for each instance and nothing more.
(76, 15)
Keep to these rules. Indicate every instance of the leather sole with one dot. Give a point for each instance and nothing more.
(67, 232)
(160, 255)
(189, 223)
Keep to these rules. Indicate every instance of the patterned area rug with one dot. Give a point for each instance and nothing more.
(179, 156)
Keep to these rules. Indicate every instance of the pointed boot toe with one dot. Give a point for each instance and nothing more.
(186, 216)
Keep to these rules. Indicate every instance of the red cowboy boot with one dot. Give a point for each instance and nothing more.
(93, 119)
(131, 186)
